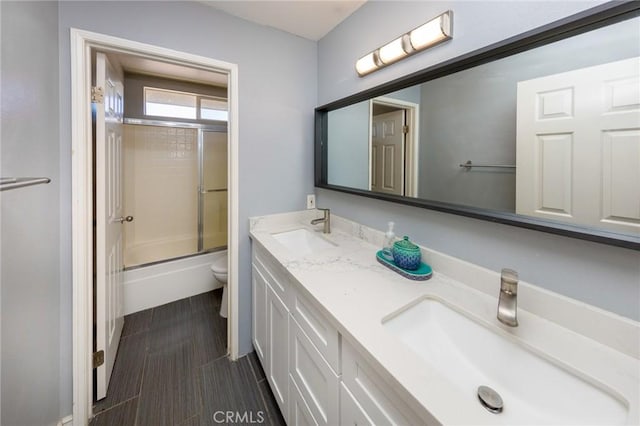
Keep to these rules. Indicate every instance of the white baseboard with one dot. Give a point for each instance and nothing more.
(66, 421)
(166, 282)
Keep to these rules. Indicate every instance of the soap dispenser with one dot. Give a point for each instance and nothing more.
(389, 239)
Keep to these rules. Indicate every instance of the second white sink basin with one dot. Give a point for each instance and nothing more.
(302, 241)
(533, 389)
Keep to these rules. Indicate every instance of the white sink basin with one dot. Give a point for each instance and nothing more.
(533, 390)
(302, 241)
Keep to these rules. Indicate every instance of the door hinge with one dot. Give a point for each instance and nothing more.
(405, 129)
(98, 359)
(97, 95)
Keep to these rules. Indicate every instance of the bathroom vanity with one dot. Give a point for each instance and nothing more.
(344, 340)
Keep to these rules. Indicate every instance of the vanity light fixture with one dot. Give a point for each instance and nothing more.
(427, 35)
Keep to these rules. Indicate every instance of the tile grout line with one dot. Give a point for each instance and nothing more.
(199, 377)
(201, 411)
(144, 368)
(253, 370)
(262, 395)
(115, 406)
(272, 416)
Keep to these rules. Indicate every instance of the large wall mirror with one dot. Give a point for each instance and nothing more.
(539, 131)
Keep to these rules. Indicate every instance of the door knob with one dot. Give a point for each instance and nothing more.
(124, 219)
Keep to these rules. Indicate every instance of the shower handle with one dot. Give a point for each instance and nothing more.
(124, 219)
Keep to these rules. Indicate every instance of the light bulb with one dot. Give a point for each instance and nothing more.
(392, 51)
(366, 64)
(430, 33)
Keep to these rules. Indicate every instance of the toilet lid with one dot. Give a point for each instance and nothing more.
(220, 265)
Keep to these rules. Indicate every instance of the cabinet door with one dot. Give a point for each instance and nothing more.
(259, 315)
(299, 413)
(277, 370)
(376, 398)
(351, 413)
(316, 381)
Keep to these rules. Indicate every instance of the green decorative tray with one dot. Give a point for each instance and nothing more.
(423, 273)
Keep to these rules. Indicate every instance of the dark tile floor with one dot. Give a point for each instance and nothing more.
(171, 369)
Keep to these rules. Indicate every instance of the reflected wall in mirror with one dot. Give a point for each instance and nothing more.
(551, 132)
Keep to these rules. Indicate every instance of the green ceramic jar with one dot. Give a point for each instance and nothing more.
(406, 255)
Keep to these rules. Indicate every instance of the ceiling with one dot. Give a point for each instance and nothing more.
(311, 19)
(141, 65)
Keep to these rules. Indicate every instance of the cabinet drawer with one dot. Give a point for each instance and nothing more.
(274, 274)
(351, 413)
(316, 381)
(324, 336)
(299, 413)
(381, 404)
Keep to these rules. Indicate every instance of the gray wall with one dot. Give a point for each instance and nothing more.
(597, 274)
(486, 97)
(31, 355)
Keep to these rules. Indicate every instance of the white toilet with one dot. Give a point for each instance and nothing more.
(219, 269)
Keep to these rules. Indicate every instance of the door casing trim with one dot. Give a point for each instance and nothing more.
(82, 44)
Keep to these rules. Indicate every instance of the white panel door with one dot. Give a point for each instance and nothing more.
(387, 152)
(109, 221)
(277, 346)
(578, 146)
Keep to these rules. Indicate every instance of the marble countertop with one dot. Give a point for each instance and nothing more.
(357, 293)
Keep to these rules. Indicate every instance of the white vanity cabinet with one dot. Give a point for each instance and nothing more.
(297, 346)
(270, 320)
(316, 378)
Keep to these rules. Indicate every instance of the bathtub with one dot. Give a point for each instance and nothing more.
(158, 250)
(145, 287)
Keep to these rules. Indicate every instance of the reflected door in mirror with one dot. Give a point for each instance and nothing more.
(387, 152)
(578, 146)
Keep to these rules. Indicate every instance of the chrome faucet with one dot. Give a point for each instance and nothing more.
(326, 219)
(508, 301)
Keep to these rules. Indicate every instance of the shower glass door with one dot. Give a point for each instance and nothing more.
(212, 218)
(175, 186)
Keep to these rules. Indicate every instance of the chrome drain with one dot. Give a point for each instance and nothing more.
(490, 399)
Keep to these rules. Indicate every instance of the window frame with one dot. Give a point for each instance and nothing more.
(198, 104)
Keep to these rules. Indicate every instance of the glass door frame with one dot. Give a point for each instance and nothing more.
(202, 191)
(201, 128)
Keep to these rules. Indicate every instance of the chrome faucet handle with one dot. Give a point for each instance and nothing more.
(508, 298)
(509, 281)
(326, 219)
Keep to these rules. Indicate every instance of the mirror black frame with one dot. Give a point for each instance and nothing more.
(591, 19)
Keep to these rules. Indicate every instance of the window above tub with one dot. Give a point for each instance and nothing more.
(183, 105)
